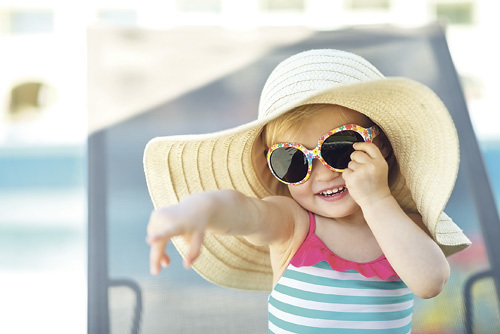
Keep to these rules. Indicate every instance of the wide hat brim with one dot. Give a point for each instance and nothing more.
(412, 116)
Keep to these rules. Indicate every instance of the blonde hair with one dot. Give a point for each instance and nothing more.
(290, 123)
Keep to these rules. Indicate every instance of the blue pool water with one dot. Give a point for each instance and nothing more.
(43, 240)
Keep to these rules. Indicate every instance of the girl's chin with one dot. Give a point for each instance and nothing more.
(337, 209)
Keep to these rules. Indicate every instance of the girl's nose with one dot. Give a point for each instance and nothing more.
(321, 172)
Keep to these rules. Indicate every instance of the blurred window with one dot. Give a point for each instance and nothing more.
(198, 6)
(121, 17)
(368, 4)
(31, 21)
(455, 13)
(282, 5)
(29, 99)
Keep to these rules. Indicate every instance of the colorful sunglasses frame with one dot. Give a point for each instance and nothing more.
(368, 135)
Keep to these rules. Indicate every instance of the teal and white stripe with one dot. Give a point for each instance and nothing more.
(318, 299)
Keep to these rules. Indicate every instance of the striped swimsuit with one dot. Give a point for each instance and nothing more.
(311, 297)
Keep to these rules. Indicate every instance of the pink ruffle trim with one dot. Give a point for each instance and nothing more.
(313, 250)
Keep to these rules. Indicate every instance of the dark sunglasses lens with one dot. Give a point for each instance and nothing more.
(337, 149)
(289, 164)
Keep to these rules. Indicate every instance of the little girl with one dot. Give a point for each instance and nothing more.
(332, 199)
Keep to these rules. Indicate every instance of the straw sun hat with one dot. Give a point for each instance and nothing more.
(417, 123)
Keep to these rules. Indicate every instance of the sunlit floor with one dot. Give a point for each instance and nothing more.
(43, 301)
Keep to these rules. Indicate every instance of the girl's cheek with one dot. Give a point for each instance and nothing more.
(292, 189)
(300, 191)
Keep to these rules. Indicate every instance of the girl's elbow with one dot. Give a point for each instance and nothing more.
(431, 291)
(435, 284)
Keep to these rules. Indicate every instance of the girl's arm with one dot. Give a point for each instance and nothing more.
(263, 222)
(413, 254)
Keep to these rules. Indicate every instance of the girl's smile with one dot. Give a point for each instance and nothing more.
(333, 194)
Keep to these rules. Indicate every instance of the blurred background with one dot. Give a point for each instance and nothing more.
(70, 69)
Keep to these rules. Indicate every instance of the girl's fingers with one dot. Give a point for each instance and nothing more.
(370, 149)
(194, 249)
(360, 157)
(164, 225)
(165, 260)
(157, 256)
(353, 165)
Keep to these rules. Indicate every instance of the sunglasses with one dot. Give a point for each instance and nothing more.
(291, 163)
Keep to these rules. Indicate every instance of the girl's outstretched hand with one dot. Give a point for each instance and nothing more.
(367, 174)
(224, 212)
(172, 221)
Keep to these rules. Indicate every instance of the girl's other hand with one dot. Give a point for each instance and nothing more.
(367, 174)
(168, 222)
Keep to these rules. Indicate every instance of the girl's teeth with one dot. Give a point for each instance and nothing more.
(331, 192)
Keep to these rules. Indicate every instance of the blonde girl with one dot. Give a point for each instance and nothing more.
(332, 199)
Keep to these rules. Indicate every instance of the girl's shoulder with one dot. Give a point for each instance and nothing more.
(289, 208)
